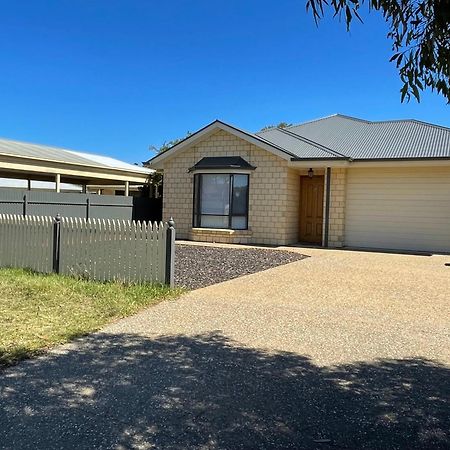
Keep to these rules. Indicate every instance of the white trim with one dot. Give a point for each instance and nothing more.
(209, 130)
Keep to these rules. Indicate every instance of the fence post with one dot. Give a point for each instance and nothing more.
(170, 253)
(25, 204)
(56, 243)
(88, 208)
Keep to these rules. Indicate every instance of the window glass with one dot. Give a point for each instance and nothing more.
(239, 222)
(214, 221)
(221, 201)
(240, 185)
(215, 194)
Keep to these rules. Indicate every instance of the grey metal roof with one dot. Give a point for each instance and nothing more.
(44, 152)
(361, 139)
(296, 144)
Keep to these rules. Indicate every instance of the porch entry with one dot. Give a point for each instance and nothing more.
(311, 209)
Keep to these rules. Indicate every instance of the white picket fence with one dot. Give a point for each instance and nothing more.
(97, 249)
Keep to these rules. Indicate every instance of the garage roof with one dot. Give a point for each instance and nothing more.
(349, 137)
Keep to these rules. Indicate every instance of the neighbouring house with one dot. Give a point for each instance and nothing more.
(336, 181)
(41, 167)
(41, 180)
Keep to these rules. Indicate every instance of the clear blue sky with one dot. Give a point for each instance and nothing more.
(115, 76)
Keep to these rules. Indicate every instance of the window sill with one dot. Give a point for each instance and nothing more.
(223, 231)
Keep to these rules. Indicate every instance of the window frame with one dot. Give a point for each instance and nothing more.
(196, 210)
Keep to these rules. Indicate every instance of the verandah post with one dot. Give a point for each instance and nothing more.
(56, 243)
(170, 253)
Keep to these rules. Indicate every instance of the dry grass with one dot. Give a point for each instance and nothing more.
(39, 311)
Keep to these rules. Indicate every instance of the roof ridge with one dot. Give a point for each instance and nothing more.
(422, 122)
(314, 120)
(309, 141)
(329, 117)
(356, 119)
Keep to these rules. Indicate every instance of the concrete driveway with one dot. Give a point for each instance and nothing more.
(341, 350)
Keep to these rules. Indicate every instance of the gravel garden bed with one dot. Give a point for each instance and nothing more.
(198, 266)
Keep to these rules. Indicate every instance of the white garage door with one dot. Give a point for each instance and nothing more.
(405, 209)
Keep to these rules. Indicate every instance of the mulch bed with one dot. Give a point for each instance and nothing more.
(198, 266)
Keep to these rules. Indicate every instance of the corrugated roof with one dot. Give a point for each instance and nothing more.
(362, 139)
(295, 144)
(44, 152)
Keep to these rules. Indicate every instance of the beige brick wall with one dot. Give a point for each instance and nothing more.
(273, 197)
(221, 236)
(337, 207)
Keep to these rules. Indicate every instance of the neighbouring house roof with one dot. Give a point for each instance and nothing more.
(56, 154)
(364, 140)
(340, 137)
(222, 162)
(42, 162)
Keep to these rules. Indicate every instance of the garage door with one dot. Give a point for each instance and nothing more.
(405, 209)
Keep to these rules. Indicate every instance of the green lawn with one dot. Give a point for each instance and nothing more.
(40, 311)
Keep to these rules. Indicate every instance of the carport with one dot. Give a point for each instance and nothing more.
(33, 162)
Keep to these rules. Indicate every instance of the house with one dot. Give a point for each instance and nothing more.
(41, 167)
(337, 181)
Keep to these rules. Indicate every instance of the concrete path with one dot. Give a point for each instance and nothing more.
(341, 350)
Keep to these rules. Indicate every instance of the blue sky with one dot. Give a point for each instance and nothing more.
(115, 77)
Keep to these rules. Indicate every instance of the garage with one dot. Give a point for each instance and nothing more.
(404, 208)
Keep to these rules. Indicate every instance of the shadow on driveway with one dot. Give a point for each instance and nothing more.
(207, 391)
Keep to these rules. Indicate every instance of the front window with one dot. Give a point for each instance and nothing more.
(221, 201)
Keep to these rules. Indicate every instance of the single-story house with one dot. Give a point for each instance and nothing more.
(337, 181)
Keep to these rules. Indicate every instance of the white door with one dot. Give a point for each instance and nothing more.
(404, 209)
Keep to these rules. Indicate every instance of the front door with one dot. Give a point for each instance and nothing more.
(311, 209)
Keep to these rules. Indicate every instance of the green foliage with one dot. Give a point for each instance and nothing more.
(280, 125)
(420, 35)
(156, 179)
(169, 144)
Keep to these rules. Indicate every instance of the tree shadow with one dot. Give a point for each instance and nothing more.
(206, 391)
